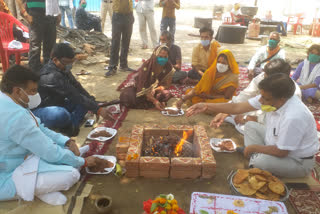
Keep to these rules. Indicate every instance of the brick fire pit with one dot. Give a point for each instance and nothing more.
(201, 164)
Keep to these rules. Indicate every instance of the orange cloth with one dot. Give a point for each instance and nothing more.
(273, 52)
(211, 85)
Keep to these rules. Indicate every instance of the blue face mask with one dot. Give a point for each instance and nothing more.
(313, 58)
(205, 43)
(162, 60)
(273, 43)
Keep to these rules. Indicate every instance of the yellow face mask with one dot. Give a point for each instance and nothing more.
(268, 108)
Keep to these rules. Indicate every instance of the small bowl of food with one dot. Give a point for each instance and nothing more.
(172, 111)
(103, 204)
(102, 134)
(223, 145)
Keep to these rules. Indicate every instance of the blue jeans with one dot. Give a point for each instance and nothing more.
(69, 15)
(61, 117)
(168, 22)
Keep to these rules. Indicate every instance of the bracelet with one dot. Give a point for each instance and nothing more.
(85, 163)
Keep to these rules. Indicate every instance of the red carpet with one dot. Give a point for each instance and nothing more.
(99, 148)
(305, 201)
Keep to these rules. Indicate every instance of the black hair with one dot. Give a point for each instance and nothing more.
(206, 29)
(165, 48)
(277, 33)
(279, 85)
(167, 34)
(313, 47)
(17, 76)
(276, 66)
(62, 50)
(223, 56)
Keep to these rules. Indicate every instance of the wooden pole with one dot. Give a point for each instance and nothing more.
(255, 2)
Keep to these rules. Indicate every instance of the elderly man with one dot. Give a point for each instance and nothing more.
(265, 54)
(273, 67)
(34, 161)
(204, 54)
(64, 101)
(286, 145)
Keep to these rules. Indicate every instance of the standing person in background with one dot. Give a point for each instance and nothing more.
(42, 30)
(106, 7)
(122, 23)
(169, 16)
(66, 6)
(144, 9)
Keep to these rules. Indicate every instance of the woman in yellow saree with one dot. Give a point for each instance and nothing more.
(218, 84)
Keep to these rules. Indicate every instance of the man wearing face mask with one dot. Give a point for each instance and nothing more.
(287, 143)
(64, 101)
(85, 20)
(204, 54)
(265, 54)
(34, 161)
(275, 66)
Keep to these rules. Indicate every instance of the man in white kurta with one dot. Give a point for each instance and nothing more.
(33, 159)
(287, 143)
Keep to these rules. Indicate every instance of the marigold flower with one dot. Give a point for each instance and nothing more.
(162, 200)
(174, 201)
(163, 212)
(231, 212)
(175, 207)
(129, 157)
(168, 207)
(135, 156)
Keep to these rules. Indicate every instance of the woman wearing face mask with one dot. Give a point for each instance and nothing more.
(218, 84)
(307, 74)
(148, 88)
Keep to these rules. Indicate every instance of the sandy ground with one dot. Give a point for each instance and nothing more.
(128, 194)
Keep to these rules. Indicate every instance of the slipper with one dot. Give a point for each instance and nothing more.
(83, 72)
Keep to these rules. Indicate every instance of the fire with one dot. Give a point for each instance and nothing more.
(184, 138)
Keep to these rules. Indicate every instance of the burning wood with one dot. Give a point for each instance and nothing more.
(168, 146)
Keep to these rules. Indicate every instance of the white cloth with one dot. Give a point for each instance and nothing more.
(262, 54)
(292, 127)
(305, 77)
(52, 8)
(143, 6)
(144, 19)
(14, 44)
(24, 174)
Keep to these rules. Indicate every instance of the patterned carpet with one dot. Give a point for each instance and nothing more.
(305, 201)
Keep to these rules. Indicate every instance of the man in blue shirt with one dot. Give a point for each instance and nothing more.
(34, 161)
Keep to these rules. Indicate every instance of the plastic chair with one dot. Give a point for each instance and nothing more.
(6, 36)
(295, 21)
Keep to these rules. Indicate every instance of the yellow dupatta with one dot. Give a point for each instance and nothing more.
(208, 80)
(214, 51)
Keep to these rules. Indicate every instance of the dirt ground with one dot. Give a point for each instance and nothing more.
(128, 194)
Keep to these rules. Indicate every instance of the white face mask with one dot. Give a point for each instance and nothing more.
(222, 67)
(34, 100)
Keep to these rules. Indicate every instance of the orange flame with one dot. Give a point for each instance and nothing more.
(185, 136)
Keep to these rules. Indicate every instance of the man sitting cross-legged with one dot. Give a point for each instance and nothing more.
(34, 161)
(287, 143)
(275, 66)
(64, 102)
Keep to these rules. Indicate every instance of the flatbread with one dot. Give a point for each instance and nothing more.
(240, 176)
(255, 184)
(276, 187)
(245, 189)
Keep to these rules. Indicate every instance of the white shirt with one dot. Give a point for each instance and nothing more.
(144, 6)
(262, 54)
(252, 90)
(292, 127)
